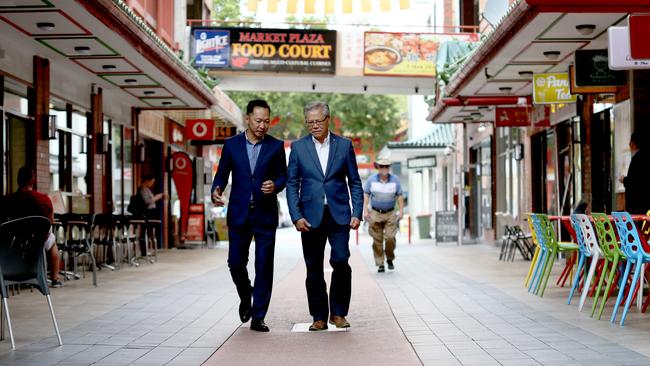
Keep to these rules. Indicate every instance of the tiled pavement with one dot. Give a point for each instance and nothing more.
(454, 305)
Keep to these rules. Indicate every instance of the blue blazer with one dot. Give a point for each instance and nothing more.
(271, 165)
(307, 184)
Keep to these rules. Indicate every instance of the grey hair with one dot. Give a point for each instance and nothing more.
(317, 105)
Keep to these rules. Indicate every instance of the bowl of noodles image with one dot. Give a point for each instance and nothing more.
(382, 58)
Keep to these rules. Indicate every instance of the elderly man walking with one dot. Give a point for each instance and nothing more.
(382, 191)
(322, 167)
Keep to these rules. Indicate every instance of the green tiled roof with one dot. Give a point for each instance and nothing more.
(441, 137)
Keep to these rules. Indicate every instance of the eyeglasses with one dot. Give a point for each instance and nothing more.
(317, 122)
(383, 166)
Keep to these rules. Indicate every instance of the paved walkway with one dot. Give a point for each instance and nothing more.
(442, 305)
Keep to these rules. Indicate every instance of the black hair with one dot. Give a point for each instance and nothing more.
(581, 208)
(25, 176)
(147, 176)
(257, 103)
(636, 139)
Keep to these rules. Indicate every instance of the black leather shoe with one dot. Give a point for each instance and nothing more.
(381, 269)
(258, 325)
(244, 312)
(390, 265)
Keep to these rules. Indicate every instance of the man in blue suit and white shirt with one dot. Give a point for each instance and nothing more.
(322, 175)
(258, 165)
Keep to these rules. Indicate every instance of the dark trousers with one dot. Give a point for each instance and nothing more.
(313, 249)
(240, 241)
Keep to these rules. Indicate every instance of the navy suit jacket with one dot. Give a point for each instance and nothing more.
(271, 165)
(307, 184)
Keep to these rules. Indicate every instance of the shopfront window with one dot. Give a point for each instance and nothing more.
(117, 167)
(127, 142)
(486, 184)
(57, 145)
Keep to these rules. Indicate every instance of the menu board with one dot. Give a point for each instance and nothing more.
(446, 226)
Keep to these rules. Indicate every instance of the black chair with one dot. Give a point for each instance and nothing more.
(103, 238)
(22, 261)
(77, 241)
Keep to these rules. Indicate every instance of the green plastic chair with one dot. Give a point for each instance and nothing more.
(554, 248)
(612, 254)
(536, 256)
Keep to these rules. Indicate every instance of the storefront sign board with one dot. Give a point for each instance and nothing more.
(422, 162)
(619, 56)
(591, 70)
(195, 224)
(446, 226)
(552, 88)
(512, 117)
(199, 129)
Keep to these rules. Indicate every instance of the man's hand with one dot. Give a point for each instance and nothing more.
(217, 199)
(366, 216)
(268, 187)
(354, 223)
(302, 225)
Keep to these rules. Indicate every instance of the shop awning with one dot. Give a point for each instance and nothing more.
(105, 44)
(535, 36)
(441, 137)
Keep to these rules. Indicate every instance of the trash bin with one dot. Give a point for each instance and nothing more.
(424, 226)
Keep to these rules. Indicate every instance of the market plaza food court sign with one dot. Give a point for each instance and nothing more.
(271, 50)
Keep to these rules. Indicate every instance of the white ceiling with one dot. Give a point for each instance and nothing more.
(525, 52)
(325, 84)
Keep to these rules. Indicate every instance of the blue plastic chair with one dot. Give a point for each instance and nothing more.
(541, 258)
(633, 249)
(583, 252)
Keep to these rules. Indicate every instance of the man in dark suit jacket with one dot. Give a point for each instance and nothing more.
(322, 167)
(637, 200)
(258, 165)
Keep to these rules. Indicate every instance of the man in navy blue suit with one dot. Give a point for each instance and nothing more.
(258, 166)
(322, 175)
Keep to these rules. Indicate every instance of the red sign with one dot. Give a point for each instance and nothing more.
(176, 134)
(199, 129)
(639, 30)
(195, 224)
(183, 175)
(541, 115)
(512, 117)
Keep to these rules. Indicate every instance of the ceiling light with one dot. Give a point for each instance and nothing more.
(149, 92)
(468, 118)
(505, 89)
(130, 81)
(109, 67)
(84, 50)
(482, 127)
(476, 114)
(585, 29)
(483, 107)
(45, 26)
(526, 74)
(552, 55)
(166, 103)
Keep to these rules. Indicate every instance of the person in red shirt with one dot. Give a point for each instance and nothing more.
(28, 202)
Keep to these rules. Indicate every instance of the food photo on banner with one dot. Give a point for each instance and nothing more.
(405, 54)
(272, 50)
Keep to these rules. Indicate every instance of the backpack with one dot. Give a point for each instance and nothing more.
(136, 205)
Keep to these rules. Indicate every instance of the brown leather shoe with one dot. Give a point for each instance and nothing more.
(339, 321)
(318, 325)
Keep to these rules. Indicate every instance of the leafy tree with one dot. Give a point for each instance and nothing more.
(374, 118)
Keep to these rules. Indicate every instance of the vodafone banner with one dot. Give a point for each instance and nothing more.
(183, 175)
(199, 129)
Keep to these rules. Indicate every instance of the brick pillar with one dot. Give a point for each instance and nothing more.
(40, 155)
(96, 164)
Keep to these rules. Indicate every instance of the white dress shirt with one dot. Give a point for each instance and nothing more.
(323, 152)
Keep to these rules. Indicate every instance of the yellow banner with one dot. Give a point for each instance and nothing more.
(552, 88)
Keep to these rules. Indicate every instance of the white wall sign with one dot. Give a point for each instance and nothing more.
(619, 57)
